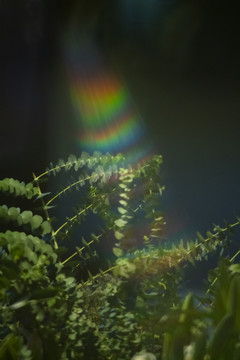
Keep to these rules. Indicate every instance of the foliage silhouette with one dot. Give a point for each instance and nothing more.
(60, 303)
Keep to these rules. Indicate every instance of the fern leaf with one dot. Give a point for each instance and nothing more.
(16, 188)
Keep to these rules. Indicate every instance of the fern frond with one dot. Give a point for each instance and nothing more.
(25, 218)
(95, 239)
(71, 220)
(75, 184)
(20, 245)
(13, 187)
(85, 160)
(155, 262)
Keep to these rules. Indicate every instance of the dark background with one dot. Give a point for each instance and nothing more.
(180, 60)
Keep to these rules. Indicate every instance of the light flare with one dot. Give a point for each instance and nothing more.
(106, 119)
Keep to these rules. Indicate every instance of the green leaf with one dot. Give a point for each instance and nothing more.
(123, 186)
(30, 255)
(36, 221)
(47, 207)
(29, 186)
(234, 301)
(221, 335)
(40, 196)
(16, 251)
(4, 185)
(200, 237)
(120, 223)
(10, 347)
(118, 235)
(46, 227)
(117, 251)
(124, 195)
(94, 177)
(72, 158)
(122, 210)
(20, 303)
(25, 217)
(72, 336)
(40, 316)
(200, 346)
(187, 305)
(70, 281)
(81, 180)
(124, 268)
(4, 213)
(13, 212)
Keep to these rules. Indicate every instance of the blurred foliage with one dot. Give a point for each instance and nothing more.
(60, 303)
(207, 328)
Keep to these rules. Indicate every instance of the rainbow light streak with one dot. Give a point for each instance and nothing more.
(106, 119)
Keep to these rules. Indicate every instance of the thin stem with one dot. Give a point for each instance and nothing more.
(231, 260)
(71, 163)
(179, 260)
(101, 274)
(206, 240)
(235, 256)
(74, 217)
(45, 210)
(55, 168)
(80, 250)
(67, 188)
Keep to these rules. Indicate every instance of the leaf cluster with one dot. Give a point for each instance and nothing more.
(72, 299)
(207, 327)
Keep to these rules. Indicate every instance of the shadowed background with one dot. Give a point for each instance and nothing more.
(180, 63)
